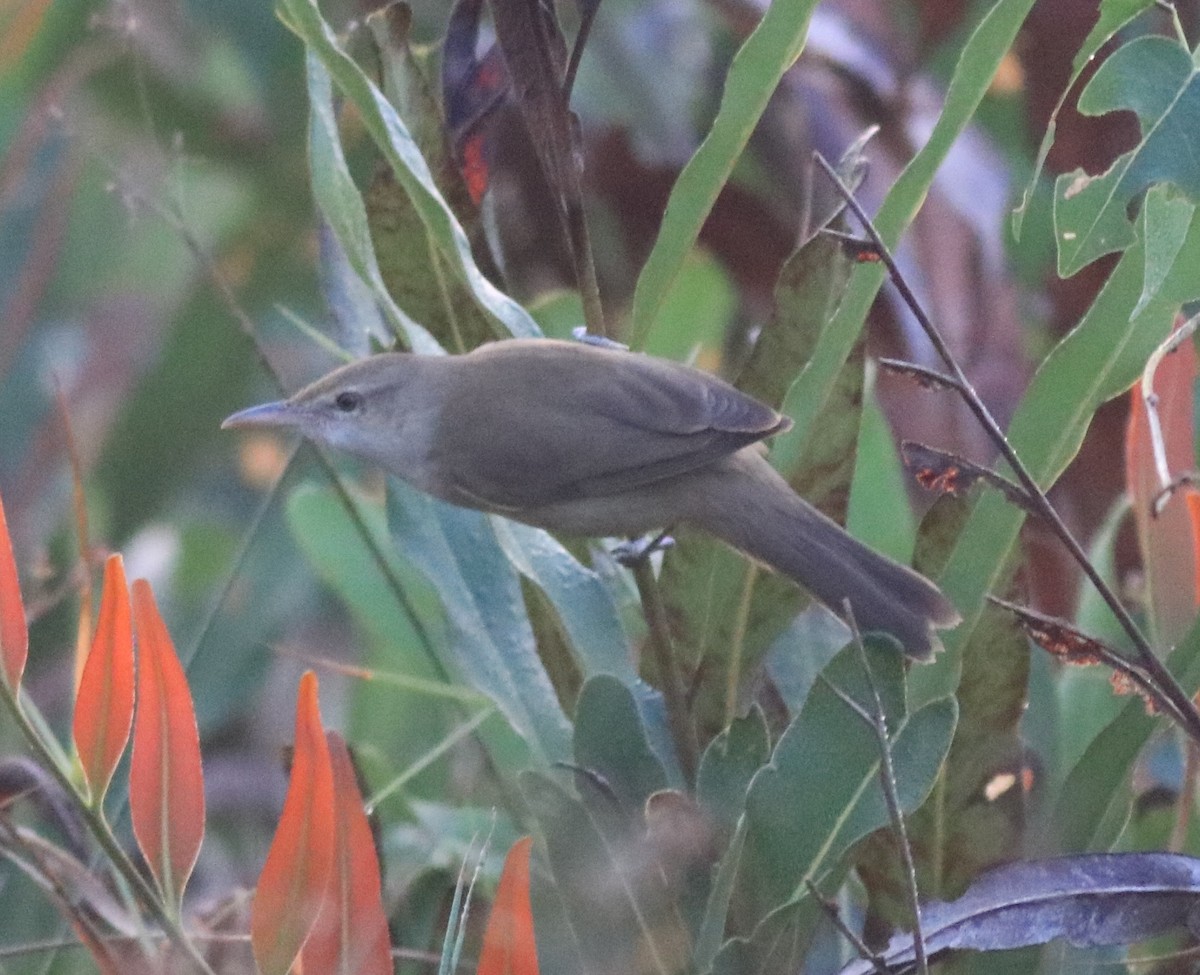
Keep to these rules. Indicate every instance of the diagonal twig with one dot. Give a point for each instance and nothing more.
(1155, 669)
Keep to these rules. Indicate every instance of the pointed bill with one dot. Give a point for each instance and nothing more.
(265, 415)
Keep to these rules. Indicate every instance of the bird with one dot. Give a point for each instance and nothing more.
(584, 440)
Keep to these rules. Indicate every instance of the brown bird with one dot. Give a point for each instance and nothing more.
(601, 442)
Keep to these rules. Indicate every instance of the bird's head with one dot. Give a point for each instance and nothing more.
(361, 408)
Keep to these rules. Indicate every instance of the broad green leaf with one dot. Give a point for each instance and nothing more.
(1163, 226)
(712, 926)
(585, 606)
(610, 742)
(613, 895)
(980, 58)
(342, 207)
(1155, 78)
(1114, 14)
(964, 828)
(416, 274)
(729, 762)
(728, 612)
(491, 647)
(821, 791)
(401, 151)
(587, 612)
(879, 512)
(753, 77)
(1096, 782)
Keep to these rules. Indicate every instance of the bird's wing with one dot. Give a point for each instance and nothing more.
(575, 422)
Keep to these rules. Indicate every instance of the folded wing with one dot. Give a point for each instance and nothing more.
(575, 421)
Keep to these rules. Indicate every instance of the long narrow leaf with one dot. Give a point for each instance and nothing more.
(291, 887)
(351, 934)
(1096, 899)
(14, 631)
(104, 704)
(769, 51)
(509, 946)
(401, 151)
(166, 784)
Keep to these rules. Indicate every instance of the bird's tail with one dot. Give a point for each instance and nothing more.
(747, 504)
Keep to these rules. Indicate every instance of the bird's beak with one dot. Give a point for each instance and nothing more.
(268, 415)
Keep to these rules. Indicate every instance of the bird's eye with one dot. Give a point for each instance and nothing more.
(349, 401)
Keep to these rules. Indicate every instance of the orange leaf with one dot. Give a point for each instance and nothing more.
(1192, 499)
(14, 631)
(1165, 541)
(291, 887)
(509, 947)
(104, 704)
(351, 934)
(166, 785)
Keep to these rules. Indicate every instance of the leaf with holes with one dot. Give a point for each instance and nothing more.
(1155, 78)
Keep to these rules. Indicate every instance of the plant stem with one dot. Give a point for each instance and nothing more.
(668, 670)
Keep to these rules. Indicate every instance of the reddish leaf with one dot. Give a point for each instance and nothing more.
(1166, 541)
(104, 705)
(166, 785)
(509, 947)
(1192, 499)
(351, 934)
(291, 887)
(14, 632)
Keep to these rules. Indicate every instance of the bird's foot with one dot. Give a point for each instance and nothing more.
(581, 334)
(636, 550)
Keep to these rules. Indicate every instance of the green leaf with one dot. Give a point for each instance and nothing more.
(610, 741)
(492, 647)
(587, 612)
(727, 612)
(397, 145)
(712, 926)
(1098, 359)
(753, 76)
(1096, 782)
(821, 791)
(613, 895)
(963, 830)
(391, 717)
(1114, 14)
(415, 272)
(729, 762)
(342, 207)
(980, 58)
(1155, 78)
(879, 512)
(1164, 223)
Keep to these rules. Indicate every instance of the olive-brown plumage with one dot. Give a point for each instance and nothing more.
(600, 442)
